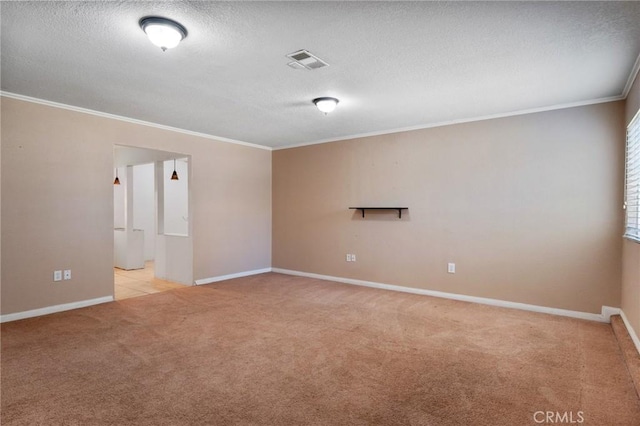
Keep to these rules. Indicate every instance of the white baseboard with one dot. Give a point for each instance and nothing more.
(231, 276)
(607, 311)
(631, 331)
(605, 316)
(53, 309)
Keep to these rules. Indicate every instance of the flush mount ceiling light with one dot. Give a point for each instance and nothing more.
(163, 32)
(326, 104)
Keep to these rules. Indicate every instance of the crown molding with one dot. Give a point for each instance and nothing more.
(623, 96)
(129, 120)
(632, 77)
(461, 121)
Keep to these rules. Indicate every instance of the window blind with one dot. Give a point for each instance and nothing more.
(632, 181)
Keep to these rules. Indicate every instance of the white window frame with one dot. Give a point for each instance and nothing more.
(632, 181)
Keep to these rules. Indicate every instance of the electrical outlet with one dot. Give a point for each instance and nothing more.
(451, 268)
(348, 258)
(67, 274)
(57, 275)
(353, 257)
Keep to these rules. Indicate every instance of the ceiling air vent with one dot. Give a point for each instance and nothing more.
(305, 59)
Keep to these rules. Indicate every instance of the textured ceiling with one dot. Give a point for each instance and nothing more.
(393, 65)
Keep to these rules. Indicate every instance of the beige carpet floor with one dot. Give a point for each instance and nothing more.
(279, 350)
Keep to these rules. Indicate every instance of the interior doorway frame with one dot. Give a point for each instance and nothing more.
(175, 252)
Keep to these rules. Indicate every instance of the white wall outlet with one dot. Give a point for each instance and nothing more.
(353, 257)
(451, 268)
(57, 275)
(348, 258)
(67, 274)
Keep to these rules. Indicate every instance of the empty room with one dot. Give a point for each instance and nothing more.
(320, 213)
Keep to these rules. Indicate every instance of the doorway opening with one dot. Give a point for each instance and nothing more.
(152, 232)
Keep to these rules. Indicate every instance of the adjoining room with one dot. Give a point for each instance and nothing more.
(150, 221)
(323, 213)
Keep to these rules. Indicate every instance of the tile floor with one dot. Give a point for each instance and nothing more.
(140, 282)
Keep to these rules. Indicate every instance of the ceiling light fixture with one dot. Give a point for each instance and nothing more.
(163, 32)
(116, 181)
(326, 104)
(174, 175)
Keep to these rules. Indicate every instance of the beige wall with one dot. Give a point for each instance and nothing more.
(528, 207)
(631, 250)
(57, 202)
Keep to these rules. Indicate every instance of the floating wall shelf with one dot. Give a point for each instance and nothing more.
(399, 209)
